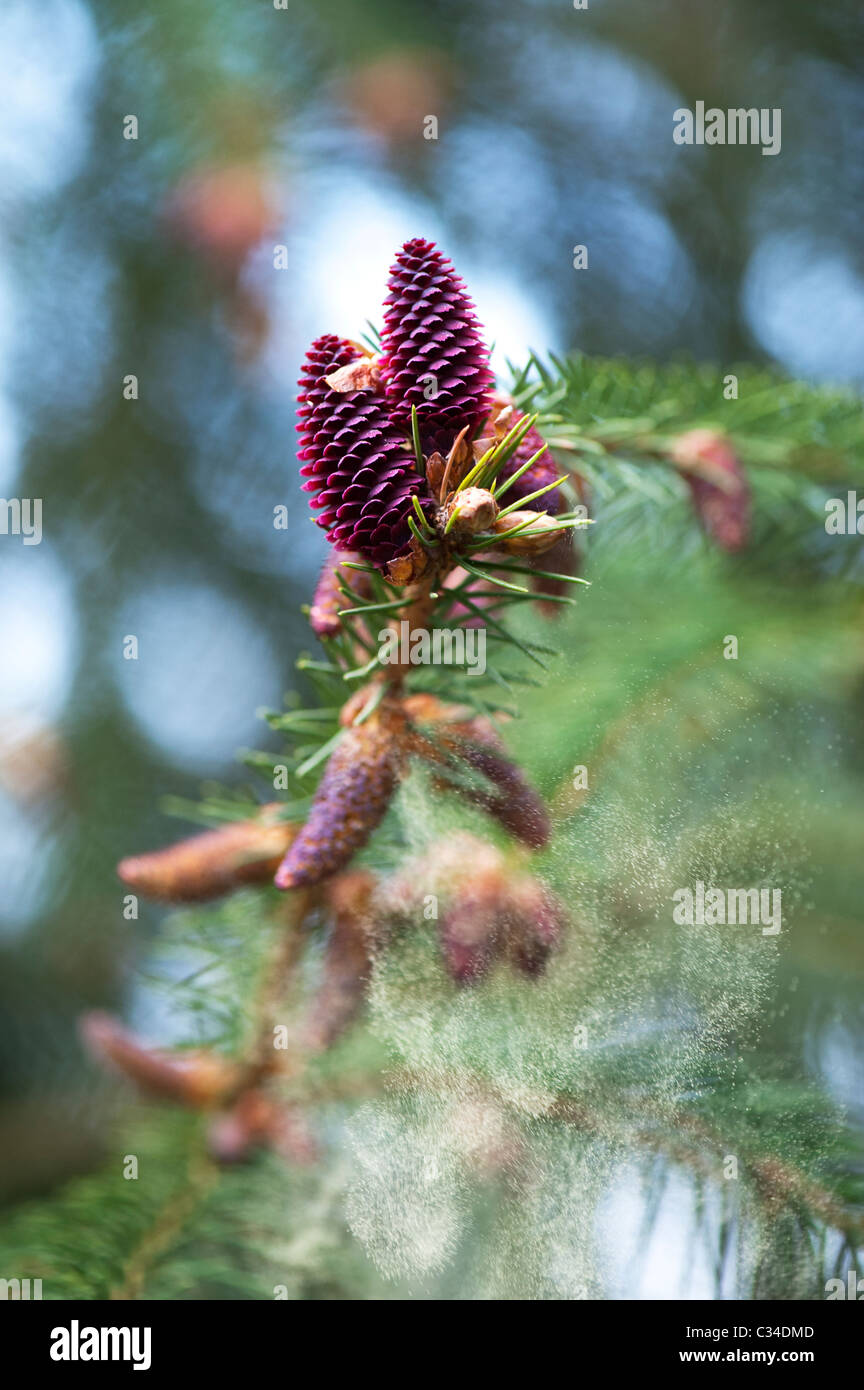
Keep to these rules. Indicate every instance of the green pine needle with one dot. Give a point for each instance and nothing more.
(514, 477)
(415, 441)
(320, 755)
(487, 468)
(361, 672)
(529, 569)
(421, 517)
(371, 704)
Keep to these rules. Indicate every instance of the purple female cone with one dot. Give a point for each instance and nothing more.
(435, 358)
(358, 467)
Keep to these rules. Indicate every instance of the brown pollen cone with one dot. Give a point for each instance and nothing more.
(257, 1120)
(496, 913)
(214, 862)
(470, 875)
(351, 800)
(536, 922)
(470, 929)
(490, 909)
(511, 800)
(347, 960)
(718, 486)
(329, 598)
(200, 1080)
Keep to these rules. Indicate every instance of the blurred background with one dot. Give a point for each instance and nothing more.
(280, 159)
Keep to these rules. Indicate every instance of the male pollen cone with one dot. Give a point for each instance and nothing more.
(329, 598)
(214, 862)
(347, 960)
(434, 356)
(500, 914)
(196, 1079)
(536, 922)
(469, 932)
(357, 463)
(512, 801)
(258, 1120)
(471, 875)
(351, 801)
(718, 486)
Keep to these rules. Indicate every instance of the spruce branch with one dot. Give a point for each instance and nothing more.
(441, 510)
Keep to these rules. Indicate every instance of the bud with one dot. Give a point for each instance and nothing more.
(474, 510)
(215, 862)
(540, 534)
(199, 1080)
